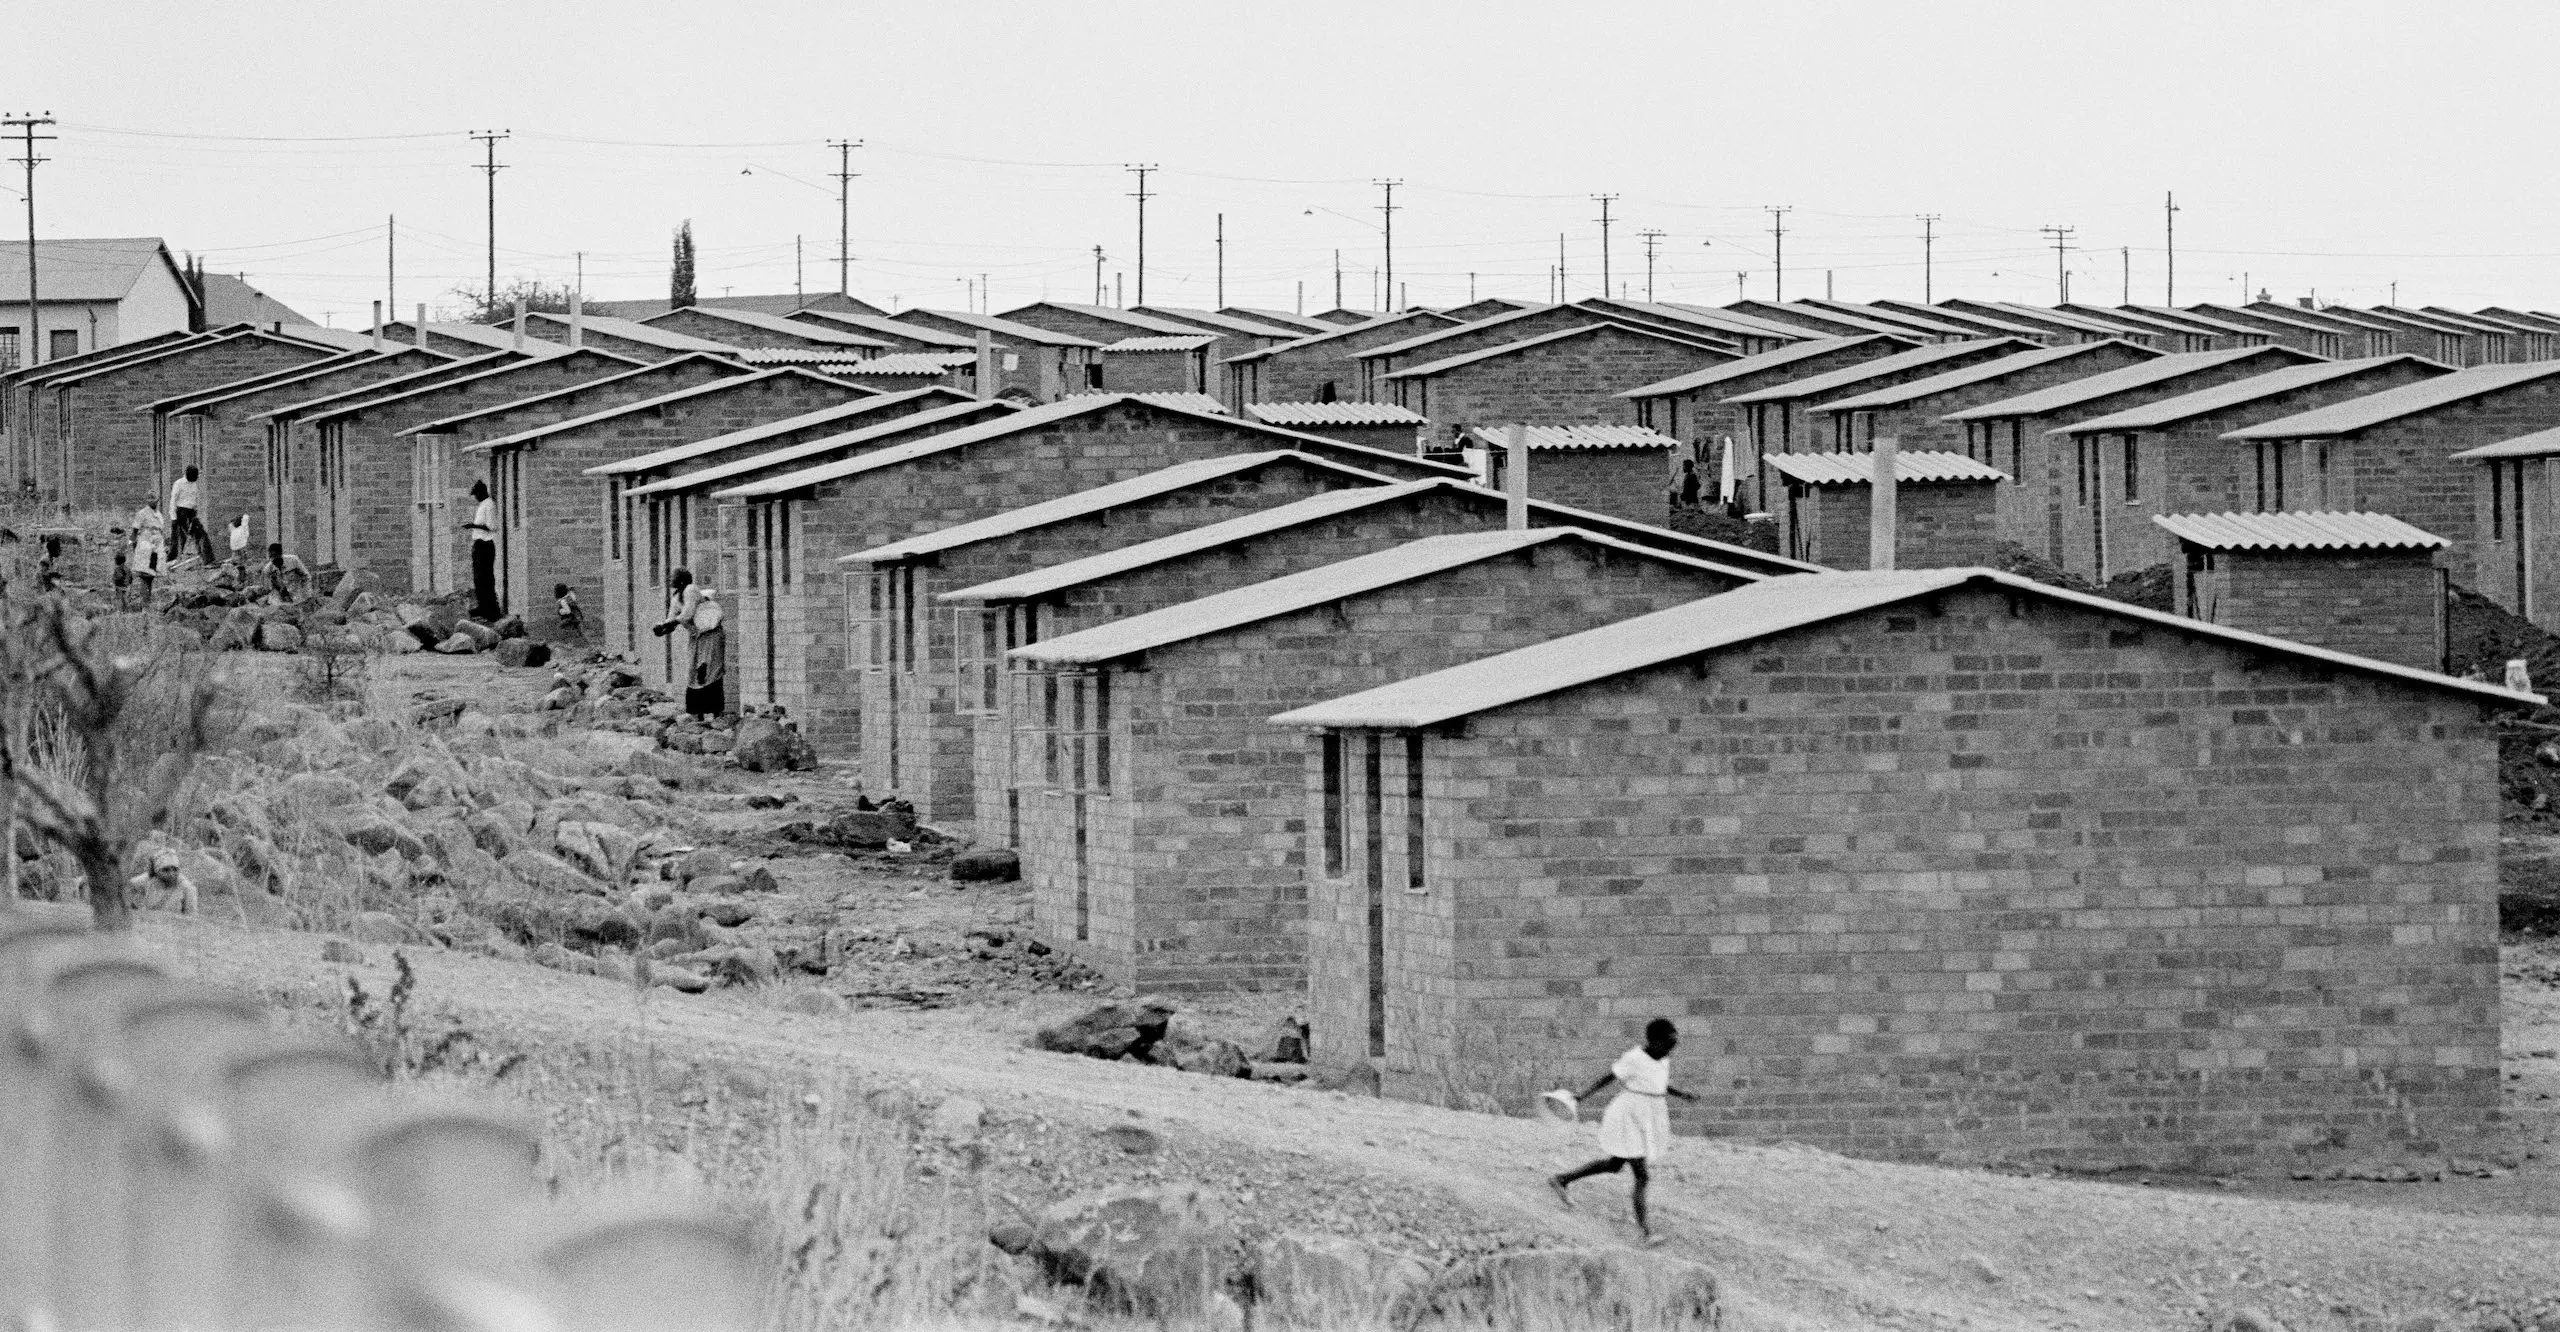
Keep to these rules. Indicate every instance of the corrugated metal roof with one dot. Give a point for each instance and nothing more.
(2539, 444)
(1928, 325)
(771, 323)
(2373, 409)
(1746, 325)
(1858, 469)
(1574, 437)
(728, 364)
(1969, 375)
(1750, 613)
(1002, 328)
(1973, 319)
(2297, 531)
(1310, 588)
(1131, 318)
(955, 415)
(1818, 321)
(1164, 481)
(904, 363)
(1189, 402)
(1333, 413)
(540, 433)
(1851, 376)
(1424, 340)
(1777, 359)
(1278, 318)
(1425, 318)
(1189, 342)
(843, 411)
(2186, 406)
(2031, 315)
(557, 328)
(2157, 370)
(889, 329)
(811, 356)
(1223, 323)
(1447, 364)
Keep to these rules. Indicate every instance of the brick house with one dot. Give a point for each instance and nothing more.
(2111, 473)
(1379, 363)
(1171, 364)
(622, 337)
(1776, 418)
(465, 340)
(1731, 332)
(751, 329)
(1984, 325)
(1260, 331)
(1344, 315)
(1320, 367)
(1162, 843)
(1918, 885)
(1915, 328)
(2453, 342)
(1044, 366)
(2227, 334)
(1946, 509)
(2011, 434)
(2361, 583)
(2364, 337)
(778, 303)
(223, 433)
(2168, 334)
(893, 372)
(2514, 505)
(927, 683)
(2321, 340)
(2058, 326)
(17, 395)
(1819, 321)
(1625, 470)
(1691, 408)
(1373, 425)
(2393, 451)
(440, 476)
(1569, 377)
(1911, 411)
(1302, 324)
(896, 335)
(96, 448)
(644, 541)
(798, 522)
(2525, 340)
(1108, 326)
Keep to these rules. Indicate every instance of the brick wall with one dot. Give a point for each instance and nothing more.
(1630, 483)
(2134, 898)
(293, 502)
(2516, 559)
(1154, 372)
(1194, 875)
(2384, 604)
(1386, 438)
(1466, 338)
(1572, 381)
(1937, 524)
(229, 445)
(1044, 372)
(103, 455)
(2403, 467)
(1785, 426)
(730, 333)
(1302, 374)
(1700, 417)
(1918, 425)
(2185, 468)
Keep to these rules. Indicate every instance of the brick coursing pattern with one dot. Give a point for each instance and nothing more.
(1937, 524)
(229, 447)
(2383, 604)
(1700, 418)
(1572, 381)
(1918, 423)
(1631, 483)
(1304, 374)
(1788, 425)
(2134, 897)
(1459, 341)
(100, 453)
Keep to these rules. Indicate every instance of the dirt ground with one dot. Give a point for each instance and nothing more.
(1803, 1239)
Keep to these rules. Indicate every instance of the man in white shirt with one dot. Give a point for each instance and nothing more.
(483, 528)
(240, 545)
(184, 508)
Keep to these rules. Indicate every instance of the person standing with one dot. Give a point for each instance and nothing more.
(1635, 1131)
(240, 546)
(483, 528)
(185, 520)
(692, 608)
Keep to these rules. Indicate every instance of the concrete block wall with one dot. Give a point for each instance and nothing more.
(1937, 524)
(1303, 374)
(1154, 372)
(101, 453)
(1918, 423)
(1700, 417)
(229, 447)
(2516, 560)
(2135, 899)
(1629, 482)
(728, 332)
(1207, 892)
(1788, 425)
(1461, 339)
(2384, 604)
(2403, 467)
(1573, 381)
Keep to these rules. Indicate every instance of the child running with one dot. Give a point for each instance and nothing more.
(1636, 1129)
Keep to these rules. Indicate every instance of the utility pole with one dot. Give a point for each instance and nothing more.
(27, 127)
(1928, 257)
(1778, 234)
(391, 265)
(1388, 208)
(1471, 288)
(1738, 280)
(489, 140)
(2170, 213)
(986, 303)
(2128, 275)
(1222, 261)
(1652, 241)
(1337, 279)
(2061, 276)
(844, 213)
(1561, 298)
(799, 272)
(1604, 200)
(1097, 275)
(1142, 196)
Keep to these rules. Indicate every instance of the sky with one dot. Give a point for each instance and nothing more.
(2331, 149)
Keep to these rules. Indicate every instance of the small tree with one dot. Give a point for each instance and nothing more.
(680, 280)
(539, 298)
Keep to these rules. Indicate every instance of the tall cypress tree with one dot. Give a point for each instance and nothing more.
(680, 281)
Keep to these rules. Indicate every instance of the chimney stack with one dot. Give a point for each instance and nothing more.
(986, 364)
(577, 321)
(1515, 479)
(377, 326)
(519, 325)
(421, 328)
(1882, 492)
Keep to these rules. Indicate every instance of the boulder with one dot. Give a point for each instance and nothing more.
(1165, 1252)
(757, 880)
(373, 834)
(957, 1118)
(678, 979)
(458, 645)
(523, 652)
(1218, 1059)
(717, 883)
(277, 636)
(986, 865)
(1601, 1290)
(562, 699)
(558, 958)
(1110, 1031)
(730, 914)
(548, 873)
(746, 966)
(1285, 1043)
(1013, 1237)
(384, 928)
(765, 745)
(873, 830)
(494, 833)
(483, 638)
(342, 598)
(600, 849)
(339, 950)
(232, 636)
(701, 863)
(436, 712)
(509, 626)
(1322, 1281)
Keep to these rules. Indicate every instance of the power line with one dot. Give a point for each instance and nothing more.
(1652, 240)
(1778, 240)
(1603, 200)
(27, 126)
(489, 139)
(2169, 213)
(2061, 274)
(1142, 171)
(844, 212)
(1388, 209)
(1928, 257)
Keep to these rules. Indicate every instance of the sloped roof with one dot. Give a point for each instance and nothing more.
(1744, 325)
(2431, 322)
(1003, 328)
(452, 371)
(1142, 322)
(1163, 481)
(1188, 342)
(264, 379)
(2190, 319)
(2157, 370)
(1422, 340)
(2202, 402)
(1309, 588)
(231, 300)
(1223, 323)
(1972, 319)
(1774, 359)
(1849, 376)
(1189, 402)
(100, 269)
(111, 367)
(1333, 331)
(1447, 364)
(884, 326)
(954, 415)
(2297, 531)
(1761, 610)
(1966, 376)
(189, 403)
(2373, 409)
(842, 411)
(771, 323)
(1282, 318)
(583, 386)
(779, 303)
(633, 331)
(2137, 319)
(1498, 436)
(1817, 321)
(2032, 314)
(539, 433)
(810, 356)
(2235, 314)
(1333, 414)
(1899, 319)
(391, 391)
(478, 335)
(2539, 444)
(1858, 469)
(344, 339)
(904, 363)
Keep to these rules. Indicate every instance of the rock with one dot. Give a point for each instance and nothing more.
(1013, 1237)
(509, 627)
(1980, 1268)
(550, 874)
(342, 598)
(458, 645)
(339, 950)
(483, 638)
(373, 834)
(700, 864)
(1132, 1139)
(384, 928)
(523, 652)
(436, 712)
(868, 830)
(232, 636)
(1280, 1073)
(1285, 1043)
(818, 1003)
(957, 1118)
(678, 979)
(747, 966)
(494, 833)
(1323, 1281)
(561, 699)
(765, 745)
(558, 958)
(717, 884)
(1164, 1252)
(1218, 1059)
(1582, 1288)
(986, 865)
(2247, 1320)
(730, 914)
(277, 636)
(1110, 1031)
(677, 924)
(758, 880)
(600, 849)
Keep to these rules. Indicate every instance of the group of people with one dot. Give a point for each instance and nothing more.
(158, 541)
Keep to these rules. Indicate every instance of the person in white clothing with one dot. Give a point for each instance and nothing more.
(240, 546)
(1636, 1129)
(483, 528)
(186, 521)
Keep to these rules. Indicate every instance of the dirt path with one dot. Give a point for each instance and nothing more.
(1804, 1239)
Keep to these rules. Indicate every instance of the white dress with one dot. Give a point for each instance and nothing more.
(1637, 1125)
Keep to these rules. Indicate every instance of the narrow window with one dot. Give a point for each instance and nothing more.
(2132, 469)
(1102, 732)
(755, 539)
(2017, 447)
(907, 613)
(1414, 878)
(2262, 477)
(1079, 740)
(1375, 854)
(2277, 449)
(1333, 805)
(613, 517)
(1049, 728)
(782, 515)
(2497, 504)
(2080, 460)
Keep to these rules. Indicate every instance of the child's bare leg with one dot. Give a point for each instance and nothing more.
(1643, 1177)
